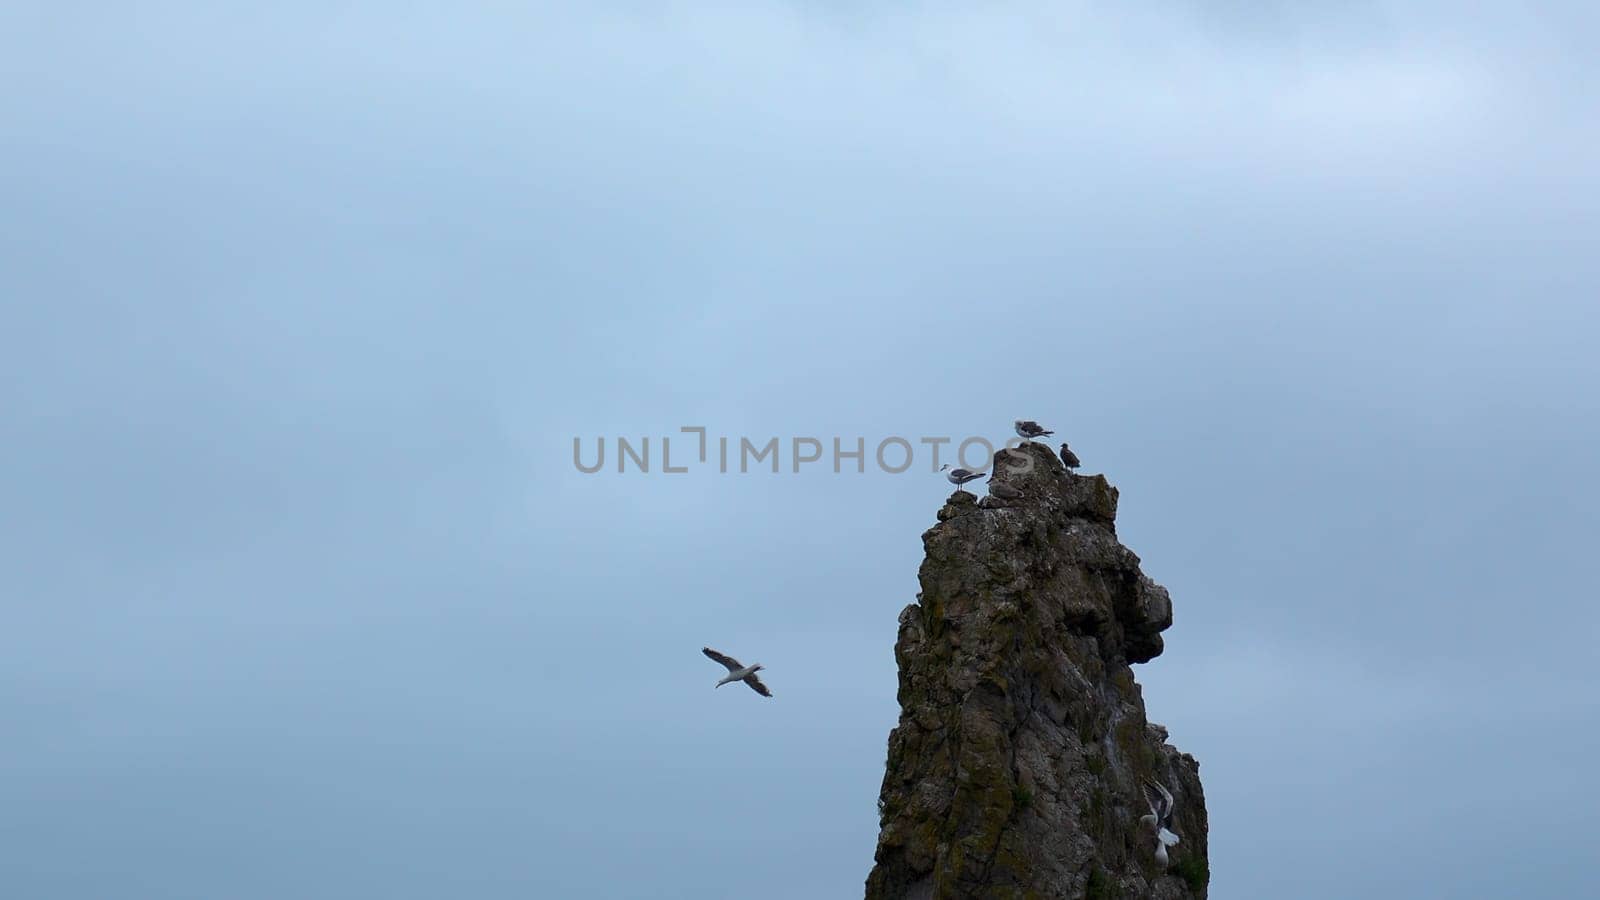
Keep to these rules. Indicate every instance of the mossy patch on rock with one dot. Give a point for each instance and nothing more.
(1194, 871)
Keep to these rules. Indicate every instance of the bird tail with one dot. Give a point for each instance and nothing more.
(1168, 838)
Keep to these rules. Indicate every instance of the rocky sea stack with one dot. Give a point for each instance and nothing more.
(1018, 764)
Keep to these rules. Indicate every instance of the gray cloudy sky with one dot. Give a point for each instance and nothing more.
(300, 592)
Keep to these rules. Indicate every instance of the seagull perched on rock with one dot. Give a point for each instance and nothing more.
(1068, 458)
(959, 477)
(1158, 821)
(1028, 429)
(1014, 460)
(738, 671)
(1004, 490)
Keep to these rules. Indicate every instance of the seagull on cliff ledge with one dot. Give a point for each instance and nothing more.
(738, 671)
(1068, 458)
(1160, 817)
(1027, 429)
(1004, 491)
(959, 477)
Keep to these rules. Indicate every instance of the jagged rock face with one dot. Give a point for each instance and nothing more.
(1016, 770)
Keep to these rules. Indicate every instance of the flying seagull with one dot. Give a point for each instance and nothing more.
(1028, 429)
(1068, 458)
(1158, 821)
(959, 477)
(738, 671)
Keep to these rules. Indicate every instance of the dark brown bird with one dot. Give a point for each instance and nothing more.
(1068, 458)
(1003, 490)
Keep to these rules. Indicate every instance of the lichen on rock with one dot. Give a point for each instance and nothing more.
(1016, 769)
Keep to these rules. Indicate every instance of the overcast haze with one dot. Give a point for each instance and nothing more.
(302, 307)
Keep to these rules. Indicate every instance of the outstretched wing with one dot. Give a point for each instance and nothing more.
(756, 685)
(1164, 808)
(732, 664)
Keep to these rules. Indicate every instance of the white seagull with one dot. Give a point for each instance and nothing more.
(1027, 429)
(959, 477)
(1160, 817)
(738, 671)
